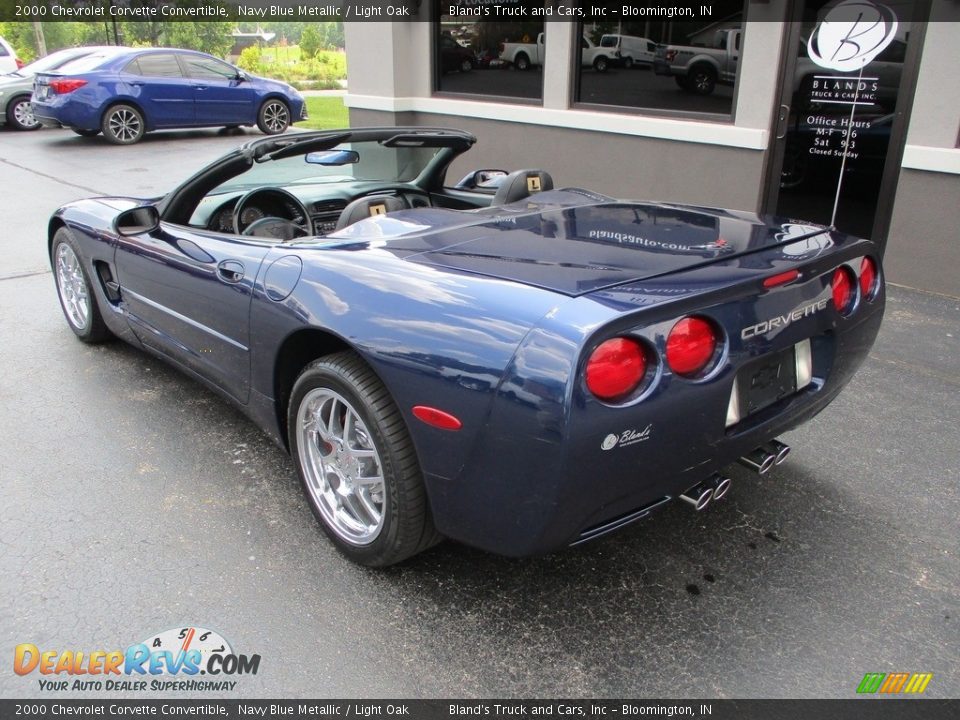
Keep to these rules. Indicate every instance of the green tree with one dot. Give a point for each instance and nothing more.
(310, 41)
(333, 36)
(208, 37)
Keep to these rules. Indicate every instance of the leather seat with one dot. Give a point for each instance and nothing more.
(369, 206)
(521, 184)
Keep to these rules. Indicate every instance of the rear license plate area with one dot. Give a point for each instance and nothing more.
(766, 380)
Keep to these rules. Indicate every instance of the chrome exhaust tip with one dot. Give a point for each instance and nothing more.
(779, 449)
(759, 460)
(720, 485)
(699, 496)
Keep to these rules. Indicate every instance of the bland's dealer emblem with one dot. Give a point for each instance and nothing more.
(851, 35)
(627, 437)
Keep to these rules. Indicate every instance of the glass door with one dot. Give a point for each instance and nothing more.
(842, 119)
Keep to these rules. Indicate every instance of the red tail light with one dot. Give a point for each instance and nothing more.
(868, 278)
(19, 63)
(691, 345)
(616, 368)
(669, 55)
(842, 286)
(66, 85)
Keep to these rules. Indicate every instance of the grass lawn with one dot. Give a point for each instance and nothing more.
(325, 113)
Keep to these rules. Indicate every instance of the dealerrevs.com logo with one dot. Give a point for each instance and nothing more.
(172, 660)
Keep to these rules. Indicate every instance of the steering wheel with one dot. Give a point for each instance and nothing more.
(277, 228)
(274, 204)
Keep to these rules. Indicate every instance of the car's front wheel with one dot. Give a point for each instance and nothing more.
(20, 114)
(123, 125)
(274, 117)
(77, 300)
(357, 463)
(601, 64)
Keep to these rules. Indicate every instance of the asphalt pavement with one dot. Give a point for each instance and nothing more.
(133, 501)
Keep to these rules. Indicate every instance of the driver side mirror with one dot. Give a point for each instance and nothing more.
(137, 221)
(487, 179)
(242, 76)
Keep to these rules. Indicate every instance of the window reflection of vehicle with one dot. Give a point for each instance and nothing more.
(454, 56)
(633, 50)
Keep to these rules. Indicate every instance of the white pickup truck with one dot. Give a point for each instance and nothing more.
(524, 55)
(699, 69)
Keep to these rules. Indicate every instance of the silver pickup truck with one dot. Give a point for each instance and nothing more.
(699, 69)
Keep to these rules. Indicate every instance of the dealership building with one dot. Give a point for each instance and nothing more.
(739, 107)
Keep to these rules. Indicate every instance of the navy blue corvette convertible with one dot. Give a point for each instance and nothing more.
(514, 366)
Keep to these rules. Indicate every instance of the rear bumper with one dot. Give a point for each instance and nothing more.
(526, 494)
(61, 113)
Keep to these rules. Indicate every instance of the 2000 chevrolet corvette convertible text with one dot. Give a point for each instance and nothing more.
(512, 366)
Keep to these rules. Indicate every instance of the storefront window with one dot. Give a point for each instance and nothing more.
(477, 55)
(684, 64)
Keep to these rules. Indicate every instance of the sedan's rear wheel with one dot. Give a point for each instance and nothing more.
(123, 125)
(274, 117)
(77, 300)
(20, 114)
(357, 463)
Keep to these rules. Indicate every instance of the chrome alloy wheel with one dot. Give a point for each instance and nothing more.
(342, 468)
(124, 125)
(276, 117)
(72, 287)
(23, 114)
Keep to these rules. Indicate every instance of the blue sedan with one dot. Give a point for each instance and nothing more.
(126, 92)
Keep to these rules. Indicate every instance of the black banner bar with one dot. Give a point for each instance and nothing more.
(351, 10)
(872, 708)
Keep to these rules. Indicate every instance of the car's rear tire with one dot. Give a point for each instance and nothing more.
(628, 63)
(123, 125)
(466, 65)
(522, 62)
(273, 117)
(357, 462)
(601, 64)
(82, 132)
(20, 114)
(77, 298)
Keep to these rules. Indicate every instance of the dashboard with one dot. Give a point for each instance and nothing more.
(323, 205)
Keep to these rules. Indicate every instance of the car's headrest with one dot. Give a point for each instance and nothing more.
(520, 184)
(370, 206)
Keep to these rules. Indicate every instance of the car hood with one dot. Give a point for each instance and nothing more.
(577, 249)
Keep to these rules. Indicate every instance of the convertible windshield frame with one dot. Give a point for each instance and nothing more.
(178, 206)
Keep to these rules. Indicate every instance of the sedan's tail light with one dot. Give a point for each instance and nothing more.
(20, 63)
(691, 346)
(868, 278)
(843, 286)
(669, 55)
(66, 85)
(616, 368)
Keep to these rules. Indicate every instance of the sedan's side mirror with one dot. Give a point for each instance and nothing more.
(137, 221)
(241, 76)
